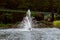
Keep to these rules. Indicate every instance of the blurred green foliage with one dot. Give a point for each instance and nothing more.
(36, 5)
(56, 23)
(11, 17)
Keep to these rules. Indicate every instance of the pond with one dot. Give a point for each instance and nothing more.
(34, 34)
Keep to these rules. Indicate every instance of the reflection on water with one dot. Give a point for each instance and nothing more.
(35, 34)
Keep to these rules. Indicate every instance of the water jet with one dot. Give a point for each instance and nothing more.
(27, 22)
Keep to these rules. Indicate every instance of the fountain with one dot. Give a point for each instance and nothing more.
(27, 22)
(26, 33)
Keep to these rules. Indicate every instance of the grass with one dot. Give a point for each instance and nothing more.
(7, 25)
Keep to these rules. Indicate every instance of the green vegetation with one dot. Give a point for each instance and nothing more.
(7, 25)
(9, 18)
(36, 5)
(13, 11)
(56, 23)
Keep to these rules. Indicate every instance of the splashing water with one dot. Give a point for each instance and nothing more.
(27, 21)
